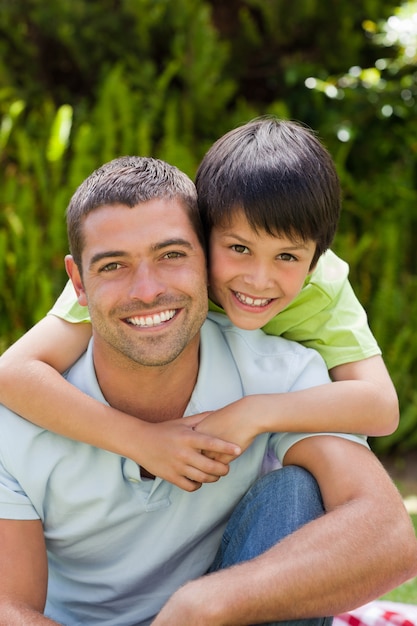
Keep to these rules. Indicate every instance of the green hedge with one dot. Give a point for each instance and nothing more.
(86, 81)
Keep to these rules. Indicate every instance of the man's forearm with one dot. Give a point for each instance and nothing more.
(362, 547)
(17, 614)
(332, 565)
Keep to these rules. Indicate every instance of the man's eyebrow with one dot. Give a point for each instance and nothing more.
(172, 242)
(99, 256)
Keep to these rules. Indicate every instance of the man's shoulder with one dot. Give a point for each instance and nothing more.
(82, 374)
(262, 363)
(256, 341)
(19, 441)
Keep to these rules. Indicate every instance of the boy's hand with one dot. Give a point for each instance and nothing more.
(235, 422)
(177, 452)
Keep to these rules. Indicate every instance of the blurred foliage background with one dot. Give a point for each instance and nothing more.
(83, 81)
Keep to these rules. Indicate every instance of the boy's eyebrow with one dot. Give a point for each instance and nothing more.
(99, 256)
(295, 245)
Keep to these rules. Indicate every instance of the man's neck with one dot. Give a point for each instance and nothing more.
(154, 394)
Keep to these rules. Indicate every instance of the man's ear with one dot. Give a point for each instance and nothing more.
(75, 276)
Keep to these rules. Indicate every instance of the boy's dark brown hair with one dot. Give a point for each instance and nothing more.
(279, 174)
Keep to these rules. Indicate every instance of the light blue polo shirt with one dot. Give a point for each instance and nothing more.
(118, 545)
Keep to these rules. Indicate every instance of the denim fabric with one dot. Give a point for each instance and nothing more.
(277, 505)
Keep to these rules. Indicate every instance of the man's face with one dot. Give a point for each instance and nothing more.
(144, 280)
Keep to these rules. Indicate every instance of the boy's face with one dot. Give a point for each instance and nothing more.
(253, 276)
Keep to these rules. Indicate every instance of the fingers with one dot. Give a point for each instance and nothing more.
(186, 484)
(185, 457)
(201, 469)
(204, 466)
(214, 447)
(223, 458)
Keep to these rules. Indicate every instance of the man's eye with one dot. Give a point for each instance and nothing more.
(240, 249)
(173, 255)
(110, 267)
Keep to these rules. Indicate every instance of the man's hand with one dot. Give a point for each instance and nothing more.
(187, 607)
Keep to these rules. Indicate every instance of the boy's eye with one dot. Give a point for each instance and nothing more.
(240, 249)
(286, 256)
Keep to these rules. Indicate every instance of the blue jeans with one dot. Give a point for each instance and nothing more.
(275, 506)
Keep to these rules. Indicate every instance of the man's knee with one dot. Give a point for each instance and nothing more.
(290, 488)
(276, 505)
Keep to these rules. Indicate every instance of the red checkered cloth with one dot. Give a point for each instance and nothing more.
(379, 613)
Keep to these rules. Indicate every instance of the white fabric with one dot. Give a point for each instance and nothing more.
(379, 613)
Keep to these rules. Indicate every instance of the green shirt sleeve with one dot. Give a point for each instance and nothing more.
(327, 316)
(67, 307)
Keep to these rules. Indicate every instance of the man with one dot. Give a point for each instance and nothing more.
(122, 545)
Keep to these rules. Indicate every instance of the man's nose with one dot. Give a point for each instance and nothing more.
(146, 284)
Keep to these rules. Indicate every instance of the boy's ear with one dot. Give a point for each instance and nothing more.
(75, 276)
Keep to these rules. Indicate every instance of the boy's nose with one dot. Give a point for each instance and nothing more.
(259, 277)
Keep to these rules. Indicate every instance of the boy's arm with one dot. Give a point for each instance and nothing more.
(23, 572)
(362, 399)
(362, 547)
(328, 317)
(170, 450)
(370, 378)
(362, 391)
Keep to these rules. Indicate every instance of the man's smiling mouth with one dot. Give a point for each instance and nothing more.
(148, 321)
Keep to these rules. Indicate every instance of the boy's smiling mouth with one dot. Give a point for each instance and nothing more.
(244, 299)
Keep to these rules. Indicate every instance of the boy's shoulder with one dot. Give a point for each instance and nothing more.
(330, 273)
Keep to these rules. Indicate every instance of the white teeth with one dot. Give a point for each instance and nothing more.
(152, 320)
(252, 301)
